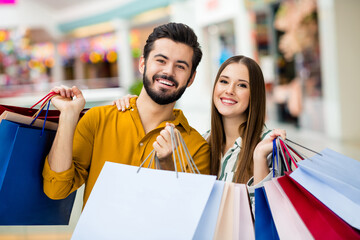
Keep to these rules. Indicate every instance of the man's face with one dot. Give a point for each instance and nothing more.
(166, 73)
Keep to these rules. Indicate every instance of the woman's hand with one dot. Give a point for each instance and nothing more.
(123, 102)
(265, 147)
(262, 150)
(70, 100)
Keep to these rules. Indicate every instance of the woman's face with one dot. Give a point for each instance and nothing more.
(232, 91)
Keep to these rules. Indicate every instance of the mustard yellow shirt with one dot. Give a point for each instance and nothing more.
(106, 134)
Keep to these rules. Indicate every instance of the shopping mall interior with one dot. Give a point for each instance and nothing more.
(308, 51)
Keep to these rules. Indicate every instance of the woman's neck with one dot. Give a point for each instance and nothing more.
(231, 129)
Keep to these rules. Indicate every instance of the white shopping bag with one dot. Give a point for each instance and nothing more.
(151, 204)
(207, 224)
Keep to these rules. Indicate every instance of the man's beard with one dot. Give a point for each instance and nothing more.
(162, 96)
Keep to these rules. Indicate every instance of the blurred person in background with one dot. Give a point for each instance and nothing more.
(239, 140)
(80, 149)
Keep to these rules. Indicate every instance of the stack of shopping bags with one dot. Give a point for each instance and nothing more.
(129, 203)
(320, 199)
(25, 140)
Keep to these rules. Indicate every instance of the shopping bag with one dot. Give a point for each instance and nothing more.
(225, 222)
(208, 220)
(288, 223)
(333, 179)
(127, 203)
(319, 219)
(33, 120)
(243, 220)
(22, 201)
(51, 115)
(150, 204)
(264, 222)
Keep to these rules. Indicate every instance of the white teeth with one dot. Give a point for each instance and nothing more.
(228, 101)
(166, 83)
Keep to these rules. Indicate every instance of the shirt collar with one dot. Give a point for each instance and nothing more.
(238, 142)
(180, 118)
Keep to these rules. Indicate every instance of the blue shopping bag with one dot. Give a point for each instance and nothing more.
(22, 200)
(264, 222)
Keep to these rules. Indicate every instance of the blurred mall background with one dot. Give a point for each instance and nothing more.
(308, 49)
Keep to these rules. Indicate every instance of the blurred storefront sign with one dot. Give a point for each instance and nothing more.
(214, 11)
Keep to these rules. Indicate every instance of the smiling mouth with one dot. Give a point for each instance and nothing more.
(166, 82)
(228, 101)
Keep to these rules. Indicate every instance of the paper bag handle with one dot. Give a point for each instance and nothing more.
(180, 153)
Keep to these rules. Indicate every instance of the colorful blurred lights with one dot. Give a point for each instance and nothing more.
(111, 56)
(95, 57)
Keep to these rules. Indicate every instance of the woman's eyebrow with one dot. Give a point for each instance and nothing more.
(240, 80)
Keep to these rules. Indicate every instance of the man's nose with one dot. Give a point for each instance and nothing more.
(169, 69)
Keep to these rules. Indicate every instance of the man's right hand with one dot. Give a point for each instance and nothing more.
(60, 156)
(70, 100)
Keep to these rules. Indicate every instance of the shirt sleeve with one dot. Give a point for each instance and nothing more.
(251, 188)
(202, 158)
(58, 185)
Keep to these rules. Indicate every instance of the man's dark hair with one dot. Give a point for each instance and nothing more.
(178, 32)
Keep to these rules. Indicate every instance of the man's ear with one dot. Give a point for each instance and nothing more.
(142, 64)
(191, 79)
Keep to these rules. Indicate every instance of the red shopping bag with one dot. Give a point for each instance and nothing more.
(52, 115)
(319, 219)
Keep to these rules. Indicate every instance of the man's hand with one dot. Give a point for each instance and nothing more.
(70, 100)
(164, 147)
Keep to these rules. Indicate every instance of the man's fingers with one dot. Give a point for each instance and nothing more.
(77, 92)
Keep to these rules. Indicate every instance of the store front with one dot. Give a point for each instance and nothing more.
(288, 46)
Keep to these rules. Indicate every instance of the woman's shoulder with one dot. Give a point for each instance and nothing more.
(206, 135)
(265, 132)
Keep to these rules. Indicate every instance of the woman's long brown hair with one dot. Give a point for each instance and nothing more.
(250, 131)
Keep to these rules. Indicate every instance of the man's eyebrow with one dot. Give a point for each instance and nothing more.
(178, 61)
(183, 62)
(160, 55)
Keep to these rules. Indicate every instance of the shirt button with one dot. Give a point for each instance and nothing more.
(141, 144)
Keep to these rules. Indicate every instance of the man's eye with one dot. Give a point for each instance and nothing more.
(181, 67)
(160, 61)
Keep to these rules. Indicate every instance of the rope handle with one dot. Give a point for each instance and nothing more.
(180, 153)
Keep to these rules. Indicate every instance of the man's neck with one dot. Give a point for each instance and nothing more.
(151, 113)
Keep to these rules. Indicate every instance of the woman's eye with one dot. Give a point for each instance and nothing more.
(160, 61)
(223, 81)
(242, 85)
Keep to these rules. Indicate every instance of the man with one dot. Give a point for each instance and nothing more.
(171, 56)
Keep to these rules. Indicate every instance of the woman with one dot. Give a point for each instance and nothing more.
(238, 138)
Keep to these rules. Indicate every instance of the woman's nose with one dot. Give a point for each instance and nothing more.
(230, 89)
